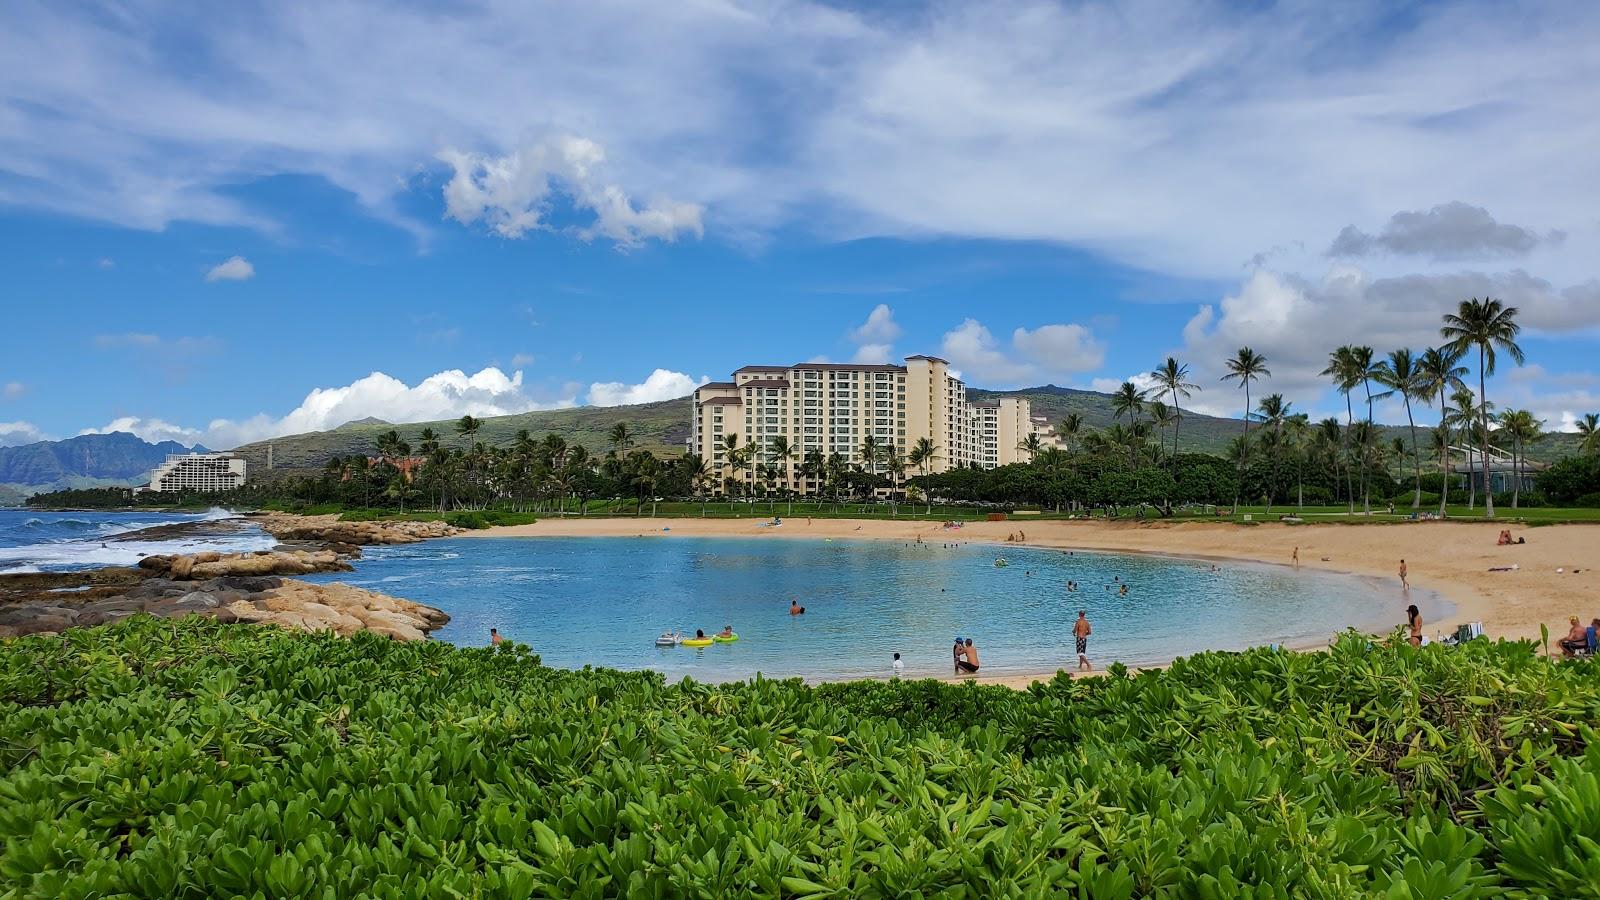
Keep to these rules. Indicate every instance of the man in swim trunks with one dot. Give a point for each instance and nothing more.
(1081, 630)
(968, 663)
(494, 637)
(1405, 579)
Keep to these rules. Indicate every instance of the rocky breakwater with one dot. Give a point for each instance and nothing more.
(235, 587)
(334, 531)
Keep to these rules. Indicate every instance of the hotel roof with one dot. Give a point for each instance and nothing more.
(767, 382)
(723, 401)
(742, 369)
(725, 385)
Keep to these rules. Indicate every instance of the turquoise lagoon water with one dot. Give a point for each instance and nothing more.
(602, 602)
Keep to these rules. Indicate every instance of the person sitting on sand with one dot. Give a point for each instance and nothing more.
(726, 632)
(1414, 622)
(1576, 640)
(968, 663)
(1505, 538)
(795, 608)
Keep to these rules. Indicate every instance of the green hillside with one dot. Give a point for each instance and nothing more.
(663, 427)
(660, 427)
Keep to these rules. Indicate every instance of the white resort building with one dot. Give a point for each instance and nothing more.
(198, 473)
(833, 408)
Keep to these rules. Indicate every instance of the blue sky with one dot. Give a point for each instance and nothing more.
(269, 220)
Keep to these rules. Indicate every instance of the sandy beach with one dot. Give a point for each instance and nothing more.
(1452, 558)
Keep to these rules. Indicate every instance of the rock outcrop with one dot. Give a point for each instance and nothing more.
(210, 564)
(330, 529)
(267, 599)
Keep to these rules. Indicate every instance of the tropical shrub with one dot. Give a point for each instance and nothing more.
(184, 758)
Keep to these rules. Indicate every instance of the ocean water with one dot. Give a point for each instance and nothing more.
(33, 541)
(603, 601)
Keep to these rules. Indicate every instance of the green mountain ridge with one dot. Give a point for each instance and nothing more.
(663, 427)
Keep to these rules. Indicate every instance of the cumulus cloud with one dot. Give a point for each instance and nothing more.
(13, 390)
(662, 384)
(446, 395)
(872, 354)
(1041, 353)
(1449, 231)
(14, 434)
(514, 193)
(234, 268)
(879, 328)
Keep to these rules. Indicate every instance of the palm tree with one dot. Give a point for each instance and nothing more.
(1163, 416)
(1401, 373)
(1463, 416)
(1328, 441)
(1589, 433)
(896, 465)
(468, 427)
(1437, 376)
(695, 469)
(922, 455)
(1272, 412)
(1523, 429)
(730, 459)
(621, 439)
(1128, 400)
(1245, 366)
(814, 467)
(1170, 378)
(1068, 429)
(1346, 373)
(1487, 325)
(779, 450)
(1296, 434)
(1030, 445)
(871, 451)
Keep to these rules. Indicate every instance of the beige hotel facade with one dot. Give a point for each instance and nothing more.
(833, 407)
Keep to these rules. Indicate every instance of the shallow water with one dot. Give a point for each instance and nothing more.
(603, 601)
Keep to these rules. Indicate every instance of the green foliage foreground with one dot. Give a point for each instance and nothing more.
(189, 759)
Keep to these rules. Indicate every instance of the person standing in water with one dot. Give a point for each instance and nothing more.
(494, 637)
(899, 665)
(1081, 630)
(1405, 580)
(1296, 557)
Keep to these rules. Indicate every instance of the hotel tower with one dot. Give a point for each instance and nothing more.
(832, 408)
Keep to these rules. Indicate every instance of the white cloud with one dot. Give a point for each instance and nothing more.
(1449, 231)
(1060, 348)
(872, 354)
(522, 359)
(14, 434)
(13, 390)
(234, 268)
(513, 194)
(662, 384)
(446, 395)
(1042, 353)
(1294, 322)
(879, 328)
(106, 262)
(1127, 128)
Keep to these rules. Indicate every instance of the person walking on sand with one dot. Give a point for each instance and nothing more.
(1296, 557)
(1414, 621)
(1405, 580)
(1081, 630)
(494, 637)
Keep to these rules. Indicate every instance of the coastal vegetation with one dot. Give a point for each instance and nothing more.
(185, 758)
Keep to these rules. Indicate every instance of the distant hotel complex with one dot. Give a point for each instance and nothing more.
(198, 473)
(832, 408)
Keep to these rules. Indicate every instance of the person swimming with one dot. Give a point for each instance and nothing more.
(795, 608)
(727, 631)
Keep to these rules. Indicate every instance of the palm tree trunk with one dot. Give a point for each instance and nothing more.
(1349, 423)
(1416, 459)
(1444, 458)
(1483, 418)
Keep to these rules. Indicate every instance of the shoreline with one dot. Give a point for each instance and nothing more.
(1449, 559)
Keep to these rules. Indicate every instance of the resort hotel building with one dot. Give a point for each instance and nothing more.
(198, 473)
(833, 408)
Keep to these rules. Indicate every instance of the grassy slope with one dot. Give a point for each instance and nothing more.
(664, 427)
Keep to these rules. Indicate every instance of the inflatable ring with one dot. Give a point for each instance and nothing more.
(725, 640)
(697, 642)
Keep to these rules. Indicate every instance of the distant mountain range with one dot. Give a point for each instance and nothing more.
(88, 460)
